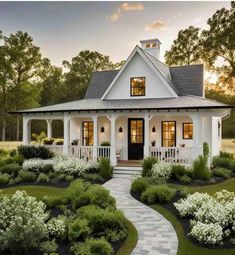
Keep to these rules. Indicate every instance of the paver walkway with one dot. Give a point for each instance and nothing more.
(156, 235)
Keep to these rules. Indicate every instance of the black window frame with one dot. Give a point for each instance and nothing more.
(83, 138)
(142, 77)
(183, 124)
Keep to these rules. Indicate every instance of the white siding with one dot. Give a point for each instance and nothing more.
(137, 67)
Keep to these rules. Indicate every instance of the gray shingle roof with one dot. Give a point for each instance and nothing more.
(184, 80)
(100, 81)
(183, 102)
(188, 79)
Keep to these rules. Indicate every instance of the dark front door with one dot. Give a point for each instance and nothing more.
(135, 138)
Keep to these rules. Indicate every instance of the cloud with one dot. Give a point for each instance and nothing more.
(198, 19)
(124, 8)
(157, 24)
(177, 15)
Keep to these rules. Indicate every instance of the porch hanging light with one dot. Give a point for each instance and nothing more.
(102, 130)
(153, 129)
(120, 129)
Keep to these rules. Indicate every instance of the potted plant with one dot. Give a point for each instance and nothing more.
(59, 142)
(105, 143)
(74, 142)
(48, 141)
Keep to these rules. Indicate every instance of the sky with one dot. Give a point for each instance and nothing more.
(63, 29)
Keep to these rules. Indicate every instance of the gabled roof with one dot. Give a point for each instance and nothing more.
(182, 102)
(188, 79)
(154, 67)
(99, 83)
(183, 80)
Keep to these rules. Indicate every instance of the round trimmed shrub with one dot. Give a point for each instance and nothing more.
(11, 169)
(222, 172)
(93, 247)
(43, 178)
(27, 176)
(158, 194)
(94, 178)
(4, 179)
(139, 185)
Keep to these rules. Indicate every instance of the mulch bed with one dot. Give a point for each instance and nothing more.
(227, 244)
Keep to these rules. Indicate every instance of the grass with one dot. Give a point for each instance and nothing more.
(228, 145)
(36, 191)
(210, 189)
(130, 242)
(185, 246)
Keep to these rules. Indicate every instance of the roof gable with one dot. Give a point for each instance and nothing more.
(156, 70)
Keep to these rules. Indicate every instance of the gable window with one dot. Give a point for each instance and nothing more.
(87, 133)
(188, 130)
(138, 86)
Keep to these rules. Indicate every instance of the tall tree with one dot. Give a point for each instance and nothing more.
(24, 58)
(5, 74)
(186, 48)
(51, 83)
(80, 70)
(219, 44)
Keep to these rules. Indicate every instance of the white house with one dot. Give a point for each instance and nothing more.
(145, 108)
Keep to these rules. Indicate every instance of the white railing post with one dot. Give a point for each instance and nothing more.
(66, 134)
(113, 158)
(95, 139)
(146, 135)
(26, 130)
(49, 128)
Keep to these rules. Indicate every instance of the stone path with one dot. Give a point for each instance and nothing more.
(156, 235)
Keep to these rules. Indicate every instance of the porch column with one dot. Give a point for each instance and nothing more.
(95, 139)
(113, 157)
(146, 135)
(66, 134)
(26, 130)
(49, 128)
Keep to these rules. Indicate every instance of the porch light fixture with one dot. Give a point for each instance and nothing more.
(153, 129)
(120, 130)
(102, 130)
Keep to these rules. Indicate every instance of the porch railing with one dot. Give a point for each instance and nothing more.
(181, 155)
(57, 149)
(89, 152)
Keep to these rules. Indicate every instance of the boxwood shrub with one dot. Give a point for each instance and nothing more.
(147, 164)
(12, 169)
(139, 185)
(95, 178)
(222, 172)
(27, 176)
(158, 194)
(31, 151)
(4, 179)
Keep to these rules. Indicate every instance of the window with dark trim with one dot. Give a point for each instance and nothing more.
(168, 133)
(187, 130)
(219, 127)
(87, 133)
(138, 86)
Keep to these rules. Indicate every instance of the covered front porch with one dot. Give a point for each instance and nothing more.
(174, 137)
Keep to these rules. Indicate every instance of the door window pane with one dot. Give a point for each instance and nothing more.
(136, 131)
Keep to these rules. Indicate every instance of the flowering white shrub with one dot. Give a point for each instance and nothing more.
(22, 222)
(56, 227)
(189, 205)
(213, 217)
(35, 164)
(211, 233)
(161, 170)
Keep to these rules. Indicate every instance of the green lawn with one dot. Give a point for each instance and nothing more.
(130, 241)
(210, 189)
(36, 191)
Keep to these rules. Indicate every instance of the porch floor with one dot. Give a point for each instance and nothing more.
(129, 163)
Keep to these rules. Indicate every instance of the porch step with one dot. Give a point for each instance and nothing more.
(127, 171)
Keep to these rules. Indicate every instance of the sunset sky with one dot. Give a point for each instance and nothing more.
(62, 29)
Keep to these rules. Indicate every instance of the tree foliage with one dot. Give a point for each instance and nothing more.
(186, 49)
(80, 70)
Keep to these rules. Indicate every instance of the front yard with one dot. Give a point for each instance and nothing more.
(56, 205)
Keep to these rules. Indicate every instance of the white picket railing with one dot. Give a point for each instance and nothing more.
(57, 149)
(172, 154)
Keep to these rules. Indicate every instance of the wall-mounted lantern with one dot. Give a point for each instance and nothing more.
(102, 130)
(120, 130)
(153, 129)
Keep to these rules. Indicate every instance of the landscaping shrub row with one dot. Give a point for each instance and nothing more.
(84, 221)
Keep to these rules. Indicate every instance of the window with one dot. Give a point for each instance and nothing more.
(87, 133)
(219, 127)
(154, 45)
(137, 131)
(138, 86)
(147, 45)
(188, 130)
(168, 133)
